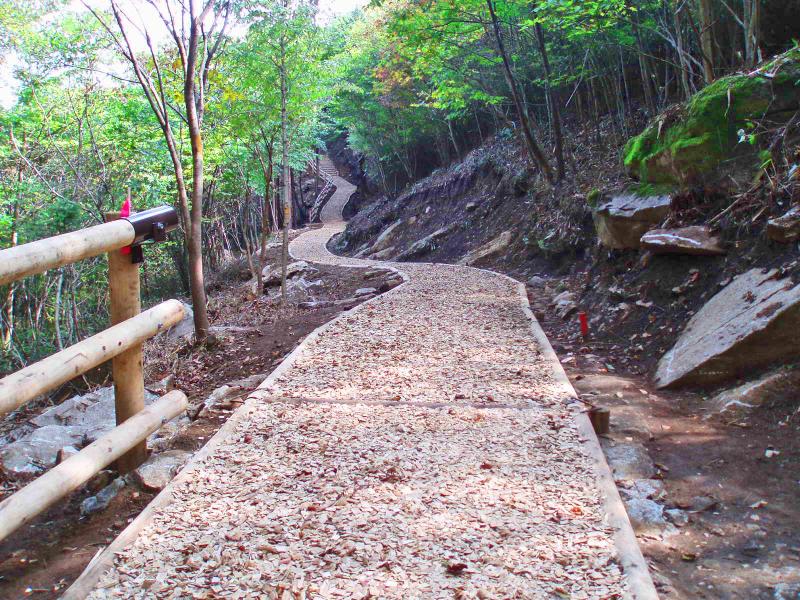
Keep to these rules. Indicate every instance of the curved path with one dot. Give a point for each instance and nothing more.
(420, 446)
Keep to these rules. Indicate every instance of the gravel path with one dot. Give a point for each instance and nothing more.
(417, 448)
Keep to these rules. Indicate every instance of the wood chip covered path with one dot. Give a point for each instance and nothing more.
(420, 446)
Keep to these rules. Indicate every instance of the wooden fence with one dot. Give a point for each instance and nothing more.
(122, 240)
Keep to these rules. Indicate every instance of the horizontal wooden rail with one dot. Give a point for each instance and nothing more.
(24, 385)
(62, 479)
(50, 253)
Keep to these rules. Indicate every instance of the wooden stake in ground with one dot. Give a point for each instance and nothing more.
(125, 300)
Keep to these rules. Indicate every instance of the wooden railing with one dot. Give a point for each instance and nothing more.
(122, 240)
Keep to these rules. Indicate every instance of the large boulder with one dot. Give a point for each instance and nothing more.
(786, 228)
(383, 240)
(92, 413)
(184, 330)
(696, 240)
(495, 246)
(426, 244)
(621, 222)
(691, 143)
(271, 276)
(751, 323)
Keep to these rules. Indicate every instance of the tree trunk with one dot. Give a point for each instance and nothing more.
(554, 109)
(287, 182)
(534, 151)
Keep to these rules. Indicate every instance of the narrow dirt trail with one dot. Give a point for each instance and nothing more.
(420, 446)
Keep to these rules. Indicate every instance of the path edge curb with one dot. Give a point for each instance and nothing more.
(629, 553)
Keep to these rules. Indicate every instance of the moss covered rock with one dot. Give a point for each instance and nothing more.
(690, 142)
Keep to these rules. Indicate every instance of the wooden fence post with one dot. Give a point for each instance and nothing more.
(123, 281)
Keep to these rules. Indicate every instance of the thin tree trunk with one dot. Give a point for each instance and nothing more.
(682, 61)
(453, 139)
(707, 38)
(57, 315)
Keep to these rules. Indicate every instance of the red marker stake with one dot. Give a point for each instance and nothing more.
(584, 324)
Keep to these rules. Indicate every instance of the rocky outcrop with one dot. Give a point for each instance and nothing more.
(776, 386)
(696, 240)
(786, 228)
(68, 426)
(621, 222)
(93, 413)
(497, 245)
(690, 143)
(750, 324)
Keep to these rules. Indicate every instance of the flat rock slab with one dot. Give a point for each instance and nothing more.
(418, 447)
(629, 462)
(696, 240)
(750, 324)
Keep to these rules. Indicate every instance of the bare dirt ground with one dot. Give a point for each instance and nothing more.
(745, 543)
(43, 558)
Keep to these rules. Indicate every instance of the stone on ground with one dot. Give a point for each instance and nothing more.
(696, 240)
(271, 276)
(366, 291)
(497, 245)
(621, 222)
(564, 304)
(159, 469)
(750, 324)
(103, 498)
(93, 413)
(786, 228)
(629, 462)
